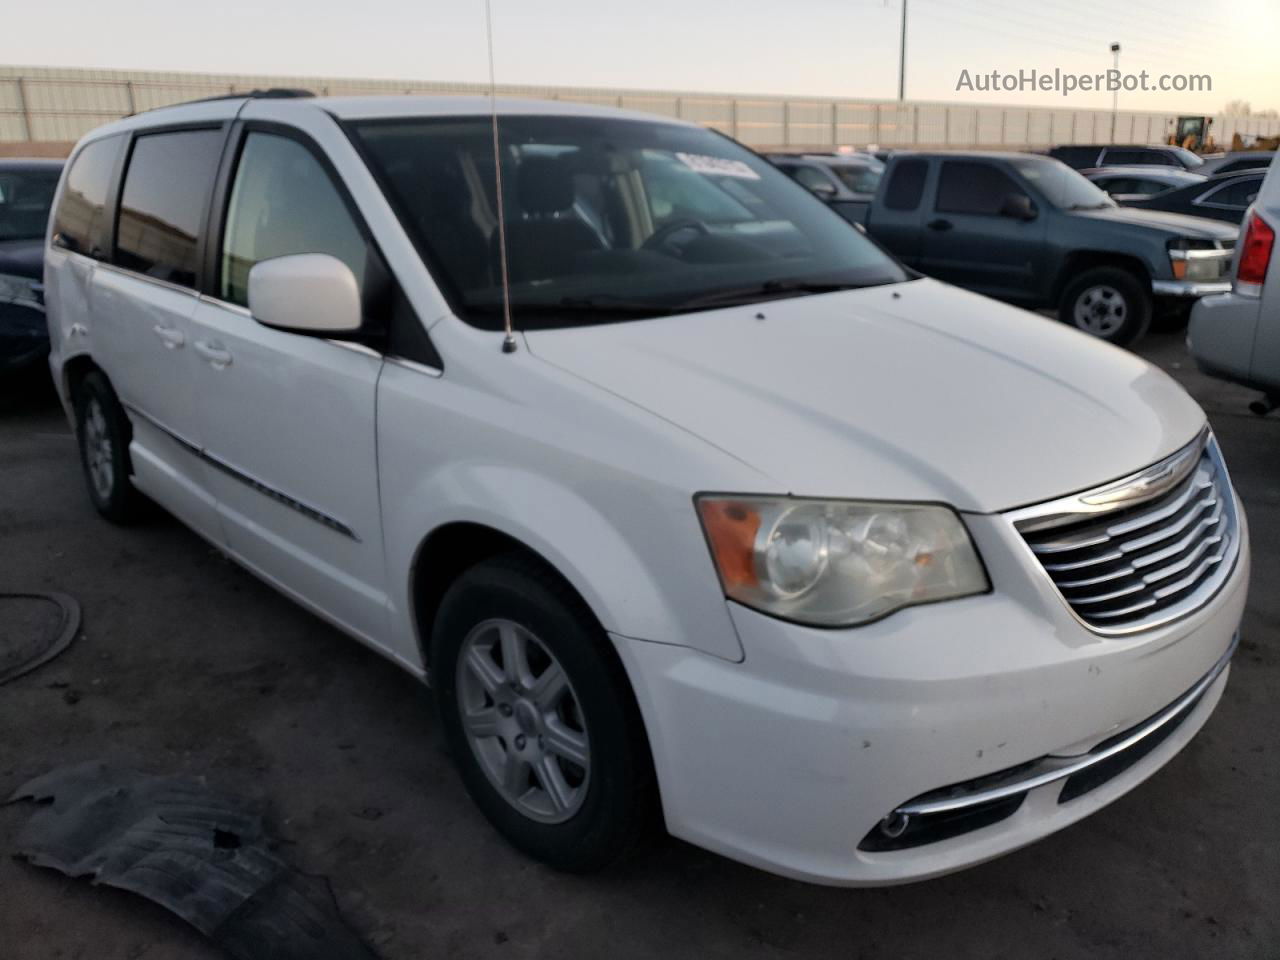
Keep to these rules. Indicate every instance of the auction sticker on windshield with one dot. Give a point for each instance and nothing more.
(717, 166)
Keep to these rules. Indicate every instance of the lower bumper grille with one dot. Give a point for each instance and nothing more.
(964, 807)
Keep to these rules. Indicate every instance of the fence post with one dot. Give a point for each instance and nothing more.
(24, 109)
(835, 125)
(128, 92)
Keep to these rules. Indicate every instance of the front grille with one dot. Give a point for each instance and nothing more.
(1127, 565)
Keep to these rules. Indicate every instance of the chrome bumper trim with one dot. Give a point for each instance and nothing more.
(1189, 288)
(1051, 769)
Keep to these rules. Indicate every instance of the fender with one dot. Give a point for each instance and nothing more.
(589, 548)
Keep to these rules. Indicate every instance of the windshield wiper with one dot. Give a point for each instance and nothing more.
(601, 306)
(769, 290)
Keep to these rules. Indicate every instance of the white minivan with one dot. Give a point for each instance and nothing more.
(848, 574)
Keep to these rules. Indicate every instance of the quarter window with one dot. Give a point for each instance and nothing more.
(283, 202)
(1239, 194)
(906, 187)
(80, 223)
(166, 191)
(974, 188)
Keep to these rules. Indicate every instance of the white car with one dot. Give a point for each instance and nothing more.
(1236, 335)
(856, 577)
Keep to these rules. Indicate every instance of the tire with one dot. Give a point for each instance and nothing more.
(594, 811)
(102, 432)
(1109, 303)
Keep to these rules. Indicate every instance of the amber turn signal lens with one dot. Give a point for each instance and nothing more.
(731, 529)
(1180, 269)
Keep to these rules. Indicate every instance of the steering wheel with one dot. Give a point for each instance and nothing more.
(663, 239)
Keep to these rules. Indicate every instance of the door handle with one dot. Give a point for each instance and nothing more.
(172, 339)
(219, 357)
(939, 224)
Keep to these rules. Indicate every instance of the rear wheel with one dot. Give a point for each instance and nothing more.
(539, 716)
(1109, 303)
(102, 430)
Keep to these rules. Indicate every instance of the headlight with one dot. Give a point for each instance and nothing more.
(838, 562)
(1198, 259)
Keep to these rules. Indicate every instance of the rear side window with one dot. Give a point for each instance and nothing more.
(283, 202)
(906, 186)
(80, 223)
(166, 192)
(974, 188)
(1239, 194)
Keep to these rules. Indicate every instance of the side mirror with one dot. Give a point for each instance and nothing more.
(824, 191)
(1018, 206)
(305, 293)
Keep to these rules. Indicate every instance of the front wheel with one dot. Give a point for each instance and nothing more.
(539, 716)
(1109, 303)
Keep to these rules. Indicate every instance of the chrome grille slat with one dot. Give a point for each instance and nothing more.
(1184, 519)
(1120, 529)
(1200, 530)
(1143, 550)
(1081, 564)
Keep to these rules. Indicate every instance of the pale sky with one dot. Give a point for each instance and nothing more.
(802, 47)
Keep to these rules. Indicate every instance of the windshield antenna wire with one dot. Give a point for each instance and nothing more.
(509, 339)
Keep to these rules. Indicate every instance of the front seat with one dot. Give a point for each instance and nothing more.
(548, 237)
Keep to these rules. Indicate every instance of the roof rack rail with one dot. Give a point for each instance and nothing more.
(271, 93)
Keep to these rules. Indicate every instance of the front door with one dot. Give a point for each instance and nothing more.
(969, 243)
(288, 419)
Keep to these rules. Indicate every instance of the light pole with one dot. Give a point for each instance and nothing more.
(1115, 94)
(902, 56)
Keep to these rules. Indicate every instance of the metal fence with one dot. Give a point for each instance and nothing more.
(55, 105)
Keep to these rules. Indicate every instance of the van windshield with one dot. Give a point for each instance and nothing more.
(608, 219)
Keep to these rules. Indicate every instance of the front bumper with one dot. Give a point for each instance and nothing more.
(790, 759)
(1189, 288)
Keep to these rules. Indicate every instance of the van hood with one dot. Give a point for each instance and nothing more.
(915, 391)
(1174, 224)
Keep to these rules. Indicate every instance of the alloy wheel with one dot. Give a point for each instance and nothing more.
(523, 721)
(98, 449)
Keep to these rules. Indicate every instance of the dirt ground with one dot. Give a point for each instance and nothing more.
(189, 665)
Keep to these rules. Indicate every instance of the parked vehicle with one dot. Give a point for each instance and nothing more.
(845, 182)
(1028, 229)
(742, 518)
(1124, 184)
(1236, 335)
(1224, 197)
(1081, 157)
(1237, 162)
(26, 194)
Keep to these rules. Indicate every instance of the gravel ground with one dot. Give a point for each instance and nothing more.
(189, 665)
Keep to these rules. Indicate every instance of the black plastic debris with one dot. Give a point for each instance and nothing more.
(201, 854)
(34, 628)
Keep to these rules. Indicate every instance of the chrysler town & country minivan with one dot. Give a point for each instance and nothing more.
(849, 574)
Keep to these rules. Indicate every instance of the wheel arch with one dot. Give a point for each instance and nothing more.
(1078, 261)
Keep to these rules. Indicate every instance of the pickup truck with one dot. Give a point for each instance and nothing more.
(1030, 230)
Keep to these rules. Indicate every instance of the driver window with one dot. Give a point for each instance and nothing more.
(974, 188)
